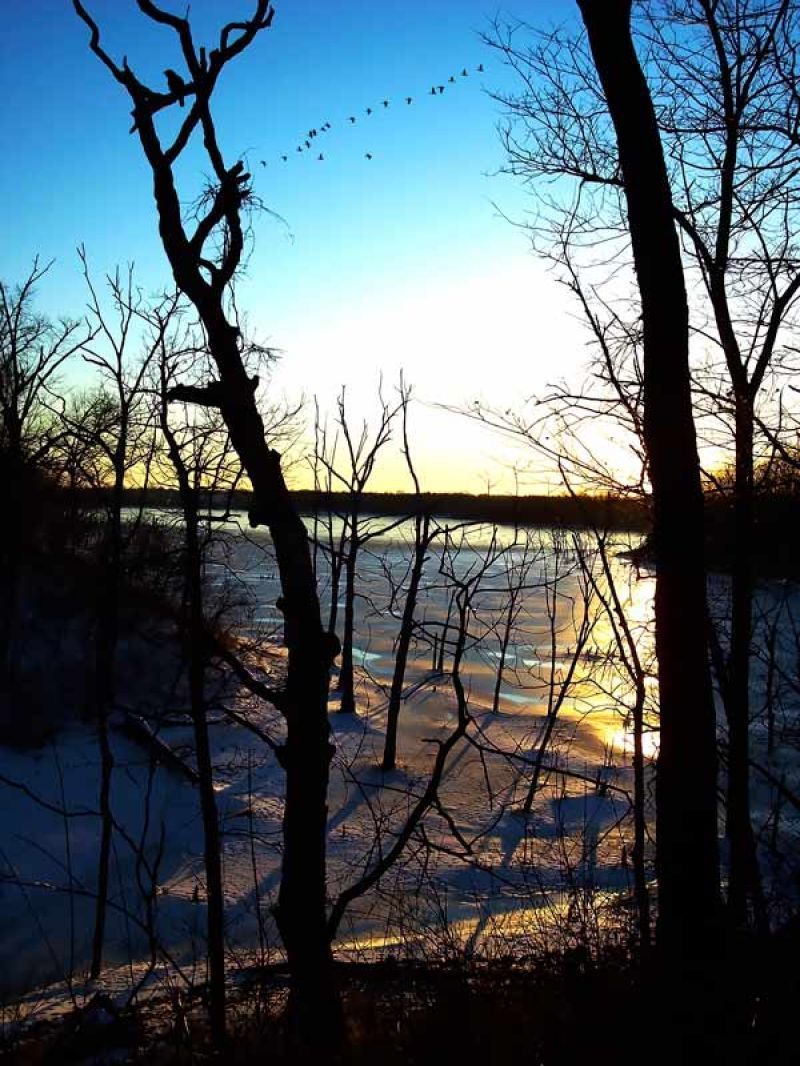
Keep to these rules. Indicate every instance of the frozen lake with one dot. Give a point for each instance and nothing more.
(479, 874)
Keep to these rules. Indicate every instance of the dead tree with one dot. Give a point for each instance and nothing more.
(352, 475)
(424, 536)
(204, 274)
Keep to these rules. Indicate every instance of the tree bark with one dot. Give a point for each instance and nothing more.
(687, 845)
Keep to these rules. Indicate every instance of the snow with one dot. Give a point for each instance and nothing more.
(483, 877)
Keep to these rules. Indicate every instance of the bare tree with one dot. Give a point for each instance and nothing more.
(722, 79)
(619, 166)
(559, 685)
(204, 274)
(352, 475)
(123, 441)
(735, 154)
(687, 855)
(33, 349)
(425, 532)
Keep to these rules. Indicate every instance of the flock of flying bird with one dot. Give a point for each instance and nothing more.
(307, 143)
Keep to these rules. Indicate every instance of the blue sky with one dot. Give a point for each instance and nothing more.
(370, 264)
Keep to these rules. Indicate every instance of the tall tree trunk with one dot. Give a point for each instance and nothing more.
(640, 823)
(195, 646)
(333, 611)
(314, 1008)
(105, 656)
(211, 841)
(212, 844)
(744, 881)
(687, 846)
(346, 685)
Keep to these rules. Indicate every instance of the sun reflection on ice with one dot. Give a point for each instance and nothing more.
(620, 741)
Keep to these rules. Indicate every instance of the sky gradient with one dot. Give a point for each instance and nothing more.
(361, 266)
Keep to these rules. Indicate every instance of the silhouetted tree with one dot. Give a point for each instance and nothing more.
(723, 80)
(33, 348)
(125, 442)
(622, 166)
(424, 535)
(196, 453)
(352, 475)
(687, 854)
(204, 275)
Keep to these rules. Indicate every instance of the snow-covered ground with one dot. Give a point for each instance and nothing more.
(477, 876)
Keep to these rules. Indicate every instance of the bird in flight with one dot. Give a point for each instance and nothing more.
(441, 89)
(452, 80)
(320, 157)
(261, 161)
(433, 90)
(464, 73)
(307, 144)
(369, 110)
(284, 157)
(368, 155)
(353, 119)
(385, 103)
(409, 99)
(480, 68)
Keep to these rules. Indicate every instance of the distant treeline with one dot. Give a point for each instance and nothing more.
(576, 512)
(774, 552)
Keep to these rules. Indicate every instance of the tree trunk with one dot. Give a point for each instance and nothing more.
(336, 571)
(687, 851)
(504, 642)
(301, 910)
(314, 1008)
(215, 899)
(421, 543)
(640, 823)
(744, 881)
(195, 646)
(105, 655)
(345, 685)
